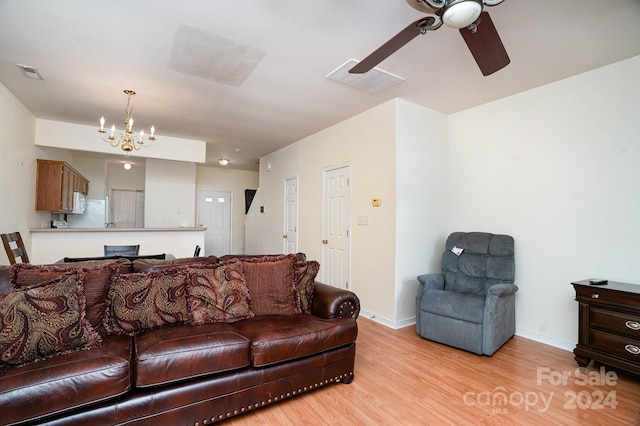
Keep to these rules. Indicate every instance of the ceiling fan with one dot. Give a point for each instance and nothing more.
(476, 27)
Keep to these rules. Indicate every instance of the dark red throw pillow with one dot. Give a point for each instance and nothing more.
(44, 320)
(306, 272)
(98, 277)
(145, 300)
(218, 293)
(271, 284)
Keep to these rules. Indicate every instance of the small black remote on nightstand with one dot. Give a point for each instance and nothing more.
(598, 282)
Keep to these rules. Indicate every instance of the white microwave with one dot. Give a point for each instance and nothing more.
(79, 203)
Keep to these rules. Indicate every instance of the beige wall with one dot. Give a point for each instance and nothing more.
(234, 181)
(170, 194)
(119, 178)
(94, 169)
(18, 170)
(78, 137)
(421, 198)
(366, 142)
(557, 167)
(51, 246)
(397, 152)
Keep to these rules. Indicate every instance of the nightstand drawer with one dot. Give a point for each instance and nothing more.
(618, 322)
(604, 295)
(622, 347)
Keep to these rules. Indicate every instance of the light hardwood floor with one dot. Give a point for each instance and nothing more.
(402, 379)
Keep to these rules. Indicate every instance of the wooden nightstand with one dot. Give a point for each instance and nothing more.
(609, 325)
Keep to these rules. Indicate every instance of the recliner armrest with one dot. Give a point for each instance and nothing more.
(332, 302)
(431, 282)
(501, 290)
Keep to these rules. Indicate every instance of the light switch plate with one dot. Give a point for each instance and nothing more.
(363, 220)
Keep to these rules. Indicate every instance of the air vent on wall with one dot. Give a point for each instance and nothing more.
(374, 81)
(29, 71)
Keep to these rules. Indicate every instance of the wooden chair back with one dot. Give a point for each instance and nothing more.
(19, 252)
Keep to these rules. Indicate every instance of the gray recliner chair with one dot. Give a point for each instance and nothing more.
(471, 305)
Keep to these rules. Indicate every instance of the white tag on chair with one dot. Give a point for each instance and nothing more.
(457, 250)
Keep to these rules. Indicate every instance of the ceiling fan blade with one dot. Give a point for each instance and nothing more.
(396, 42)
(485, 46)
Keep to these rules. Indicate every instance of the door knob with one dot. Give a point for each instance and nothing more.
(325, 241)
(285, 236)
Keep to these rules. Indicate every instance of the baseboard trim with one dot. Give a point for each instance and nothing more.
(551, 341)
(386, 321)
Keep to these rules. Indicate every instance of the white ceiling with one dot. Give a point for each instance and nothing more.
(89, 51)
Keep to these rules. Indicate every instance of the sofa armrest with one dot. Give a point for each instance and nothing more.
(431, 282)
(332, 302)
(502, 290)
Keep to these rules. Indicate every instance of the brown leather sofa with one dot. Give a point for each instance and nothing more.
(188, 374)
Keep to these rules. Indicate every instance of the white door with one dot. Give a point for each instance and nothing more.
(124, 208)
(290, 235)
(214, 213)
(336, 253)
(140, 210)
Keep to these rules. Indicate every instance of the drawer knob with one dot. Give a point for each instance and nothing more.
(632, 349)
(633, 325)
(595, 295)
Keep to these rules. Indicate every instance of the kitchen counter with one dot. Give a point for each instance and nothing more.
(180, 229)
(48, 245)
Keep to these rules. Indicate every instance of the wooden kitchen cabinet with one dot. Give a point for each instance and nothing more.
(56, 181)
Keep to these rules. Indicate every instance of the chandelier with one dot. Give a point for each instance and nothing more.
(128, 141)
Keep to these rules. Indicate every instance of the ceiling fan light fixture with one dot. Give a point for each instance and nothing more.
(461, 14)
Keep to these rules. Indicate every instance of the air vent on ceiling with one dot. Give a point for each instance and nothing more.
(29, 71)
(374, 81)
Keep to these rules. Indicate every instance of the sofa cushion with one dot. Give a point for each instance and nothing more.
(45, 320)
(148, 265)
(218, 293)
(271, 284)
(186, 351)
(463, 306)
(305, 276)
(145, 300)
(66, 382)
(281, 338)
(98, 277)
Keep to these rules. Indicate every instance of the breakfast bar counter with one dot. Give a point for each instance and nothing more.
(48, 245)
